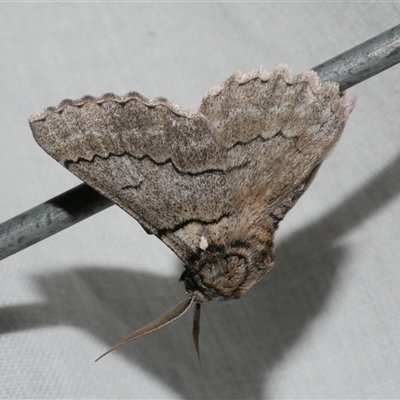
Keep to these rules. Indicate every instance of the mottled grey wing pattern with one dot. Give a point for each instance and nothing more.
(282, 127)
(247, 154)
(161, 164)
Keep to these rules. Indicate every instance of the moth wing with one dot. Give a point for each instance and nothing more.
(192, 178)
(280, 128)
(159, 163)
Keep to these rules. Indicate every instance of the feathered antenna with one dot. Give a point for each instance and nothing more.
(196, 330)
(164, 320)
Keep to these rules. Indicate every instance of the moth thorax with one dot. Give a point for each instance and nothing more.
(216, 274)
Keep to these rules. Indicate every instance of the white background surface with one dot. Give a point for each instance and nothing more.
(323, 324)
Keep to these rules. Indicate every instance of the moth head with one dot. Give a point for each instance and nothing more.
(195, 288)
(217, 273)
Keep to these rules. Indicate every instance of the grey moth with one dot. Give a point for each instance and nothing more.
(214, 183)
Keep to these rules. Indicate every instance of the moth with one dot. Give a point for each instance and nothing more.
(214, 183)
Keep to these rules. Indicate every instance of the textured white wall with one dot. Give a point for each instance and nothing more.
(325, 321)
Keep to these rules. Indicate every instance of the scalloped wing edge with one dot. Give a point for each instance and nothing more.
(340, 104)
(158, 101)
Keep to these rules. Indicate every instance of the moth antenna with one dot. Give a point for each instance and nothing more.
(196, 330)
(158, 323)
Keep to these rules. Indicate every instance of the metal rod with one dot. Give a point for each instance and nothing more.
(50, 217)
(347, 69)
(363, 61)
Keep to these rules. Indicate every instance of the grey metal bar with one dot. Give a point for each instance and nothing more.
(50, 217)
(347, 69)
(363, 61)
